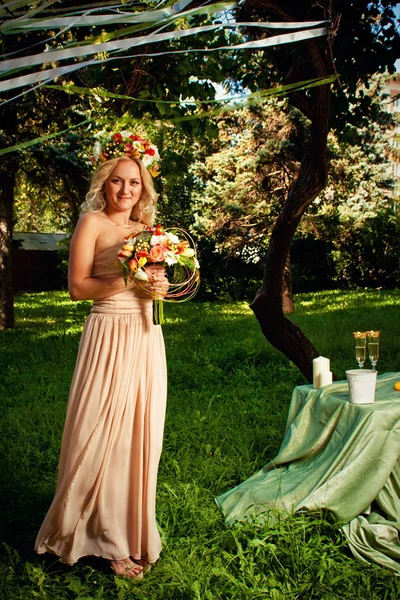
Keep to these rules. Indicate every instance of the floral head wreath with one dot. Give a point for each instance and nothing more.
(126, 143)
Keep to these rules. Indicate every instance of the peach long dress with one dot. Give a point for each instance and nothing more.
(105, 499)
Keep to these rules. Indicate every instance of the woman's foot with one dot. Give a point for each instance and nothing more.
(127, 568)
(144, 562)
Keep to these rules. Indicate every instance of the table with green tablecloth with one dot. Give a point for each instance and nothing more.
(335, 456)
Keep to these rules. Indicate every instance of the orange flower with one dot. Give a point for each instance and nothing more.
(133, 265)
(182, 246)
(157, 253)
(125, 253)
(154, 172)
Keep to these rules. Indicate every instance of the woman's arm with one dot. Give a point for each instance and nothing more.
(80, 283)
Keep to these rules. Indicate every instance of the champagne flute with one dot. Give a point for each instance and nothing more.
(360, 340)
(373, 347)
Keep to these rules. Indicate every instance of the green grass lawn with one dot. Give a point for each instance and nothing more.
(229, 393)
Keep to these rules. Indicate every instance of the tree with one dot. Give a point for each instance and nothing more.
(52, 181)
(244, 179)
(365, 44)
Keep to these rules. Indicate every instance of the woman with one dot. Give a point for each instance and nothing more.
(105, 499)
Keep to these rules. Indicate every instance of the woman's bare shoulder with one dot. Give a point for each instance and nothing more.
(89, 226)
(90, 221)
(91, 217)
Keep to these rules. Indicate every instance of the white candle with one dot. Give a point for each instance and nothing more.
(319, 364)
(325, 378)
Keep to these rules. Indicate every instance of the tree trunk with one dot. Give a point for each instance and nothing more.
(285, 335)
(287, 291)
(6, 229)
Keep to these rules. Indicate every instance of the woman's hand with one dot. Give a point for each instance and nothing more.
(158, 284)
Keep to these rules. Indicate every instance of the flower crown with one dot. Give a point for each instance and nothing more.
(126, 143)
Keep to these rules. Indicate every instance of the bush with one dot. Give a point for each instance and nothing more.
(368, 254)
(348, 254)
(225, 277)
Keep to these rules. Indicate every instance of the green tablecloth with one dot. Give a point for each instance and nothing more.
(337, 456)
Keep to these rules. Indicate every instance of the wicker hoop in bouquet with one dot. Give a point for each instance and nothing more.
(172, 248)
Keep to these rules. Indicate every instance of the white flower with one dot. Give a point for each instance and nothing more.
(173, 238)
(188, 252)
(158, 239)
(147, 160)
(125, 134)
(138, 145)
(97, 150)
(141, 275)
(170, 258)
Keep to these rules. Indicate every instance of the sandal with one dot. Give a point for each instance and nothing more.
(128, 569)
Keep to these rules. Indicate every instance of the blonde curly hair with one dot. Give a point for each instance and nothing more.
(96, 201)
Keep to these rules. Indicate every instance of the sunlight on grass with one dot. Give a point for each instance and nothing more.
(337, 300)
(229, 393)
(329, 318)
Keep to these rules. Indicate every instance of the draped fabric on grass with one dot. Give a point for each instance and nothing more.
(335, 456)
(105, 499)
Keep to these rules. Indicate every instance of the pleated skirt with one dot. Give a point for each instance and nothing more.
(104, 503)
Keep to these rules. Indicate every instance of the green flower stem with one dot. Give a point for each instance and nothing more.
(158, 312)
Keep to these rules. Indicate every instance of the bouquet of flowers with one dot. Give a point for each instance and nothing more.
(175, 250)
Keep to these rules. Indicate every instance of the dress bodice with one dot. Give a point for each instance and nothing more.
(106, 263)
(127, 301)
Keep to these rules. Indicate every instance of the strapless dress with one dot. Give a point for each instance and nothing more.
(105, 498)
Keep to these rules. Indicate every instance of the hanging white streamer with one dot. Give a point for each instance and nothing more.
(50, 74)
(88, 19)
(12, 6)
(75, 52)
(84, 50)
(32, 12)
(170, 17)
